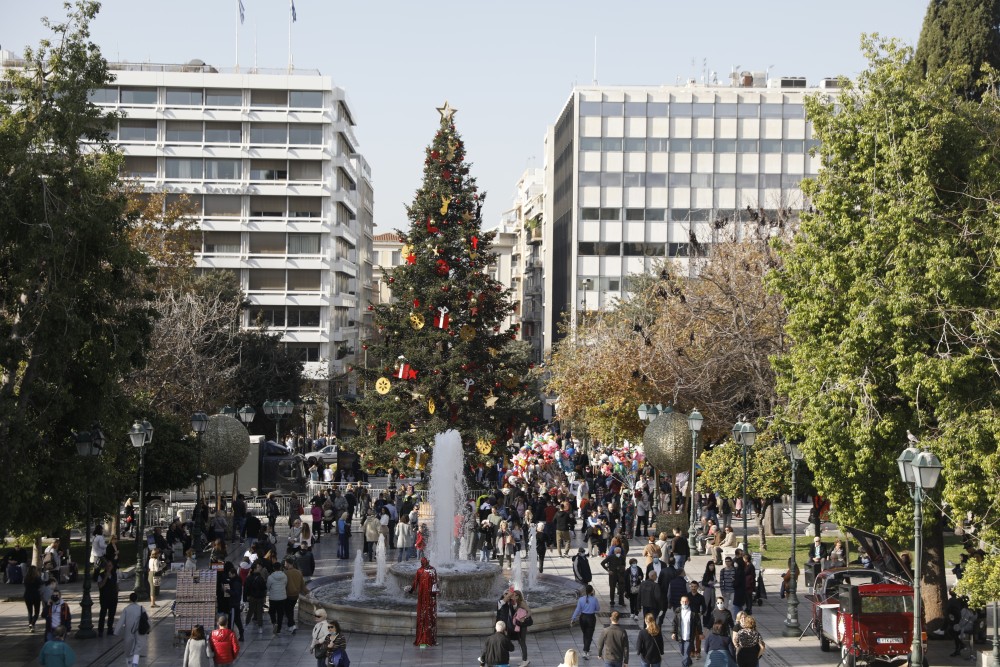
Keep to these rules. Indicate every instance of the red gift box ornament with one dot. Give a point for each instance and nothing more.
(442, 267)
(443, 319)
(431, 229)
(475, 242)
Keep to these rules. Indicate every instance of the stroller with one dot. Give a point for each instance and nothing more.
(760, 593)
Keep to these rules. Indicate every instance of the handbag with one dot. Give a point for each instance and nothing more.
(320, 650)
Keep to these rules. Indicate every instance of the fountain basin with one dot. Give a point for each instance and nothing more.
(463, 580)
(388, 612)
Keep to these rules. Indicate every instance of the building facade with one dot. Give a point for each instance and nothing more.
(640, 175)
(282, 197)
(525, 222)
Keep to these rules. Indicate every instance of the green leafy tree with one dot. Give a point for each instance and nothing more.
(960, 33)
(73, 312)
(891, 289)
(768, 475)
(425, 375)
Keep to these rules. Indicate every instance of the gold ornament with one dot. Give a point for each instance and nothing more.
(447, 112)
(491, 400)
(493, 351)
(382, 385)
(452, 145)
(431, 406)
(484, 446)
(466, 333)
(468, 216)
(416, 321)
(510, 382)
(445, 200)
(405, 250)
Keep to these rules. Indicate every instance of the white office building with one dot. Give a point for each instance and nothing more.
(283, 199)
(634, 174)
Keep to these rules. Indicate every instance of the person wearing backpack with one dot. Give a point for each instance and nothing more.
(255, 590)
(129, 629)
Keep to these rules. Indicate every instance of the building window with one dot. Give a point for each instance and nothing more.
(635, 214)
(634, 179)
(267, 280)
(305, 99)
(305, 170)
(746, 181)
(305, 207)
(770, 181)
(302, 134)
(190, 97)
(680, 145)
(793, 146)
(679, 214)
(656, 110)
(702, 110)
(590, 178)
(725, 145)
(702, 146)
(793, 111)
(590, 144)
(677, 250)
(224, 133)
(222, 206)
(269, 98)
(267, 207)
(223, 170)
(609, 109)
(221, 243)
(268, 170)
(657, 145)
(140, 166)
(303, 318)
(635, 109)
(304, 353)
(224, 97)
(611, 214)
(656, 214)
(701, 180)
(138, 96)
(268, 133)
(267, 316)
(654, 180)
(679, 180)
(137, 130)
(304, 280)
(183, 168)
(770, 145)
(611, 144)
(590, 108)
(747, 146)
(725, 180)
(103, 96)
(747, 110)
(184, 131)
(267, 243)
(611, 179)
(303, 244)
(725, 110)
(771, 110)
(635, 145)
(586, 248)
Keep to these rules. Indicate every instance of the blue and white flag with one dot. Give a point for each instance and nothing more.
(242, 12)
(294, 15)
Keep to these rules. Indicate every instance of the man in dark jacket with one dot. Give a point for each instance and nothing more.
(687, 627)
(613, 645)
(650, 599)
(496, 650)
(581, 567)
(614, 565)
(676, 589)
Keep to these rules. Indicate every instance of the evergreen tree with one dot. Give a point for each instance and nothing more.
(442, 358)
(960, 32)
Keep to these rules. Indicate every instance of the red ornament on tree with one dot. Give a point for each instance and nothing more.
(443, 319)
(446, 175)
(416, 303)
(435, 154)
(431, 229)
(442, 267)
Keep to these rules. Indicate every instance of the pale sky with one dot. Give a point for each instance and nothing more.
(508, 66)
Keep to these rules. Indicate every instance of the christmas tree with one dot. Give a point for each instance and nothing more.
(442, 358)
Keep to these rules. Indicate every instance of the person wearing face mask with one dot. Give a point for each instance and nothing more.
(614, 565)
(718, 646)
(57, 615)
(722, 613)
(687, 626)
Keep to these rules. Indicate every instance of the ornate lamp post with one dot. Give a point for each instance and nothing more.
(920, 471)
(744, 435)
(694, 425)
(199, 422)
(141, 435)
(792, 628)
(88, 444)
(246, 414)
(276, 411)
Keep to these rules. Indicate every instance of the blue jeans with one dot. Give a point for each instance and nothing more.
(679, 561)
(685, 649)
(617, 663)
(649, 664)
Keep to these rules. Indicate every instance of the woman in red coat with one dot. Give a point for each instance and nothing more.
(425, 584)
(225, 646)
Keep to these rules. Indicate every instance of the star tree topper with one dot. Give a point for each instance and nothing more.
(447, 112)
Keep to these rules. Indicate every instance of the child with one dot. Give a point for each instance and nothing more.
(421, 542)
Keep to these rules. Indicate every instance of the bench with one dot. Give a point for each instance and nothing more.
(730, 552)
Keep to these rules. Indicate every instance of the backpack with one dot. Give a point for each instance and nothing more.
(338, 658)
(143, 623)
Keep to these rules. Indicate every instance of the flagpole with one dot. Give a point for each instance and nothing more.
(290, 6)
(238, 35)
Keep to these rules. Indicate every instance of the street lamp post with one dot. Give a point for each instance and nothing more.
(744, 435)
(199, 422)
(141, 435)
(792, 628)
(920, 470)
(89, 444)
(276, 411)
(694, 424)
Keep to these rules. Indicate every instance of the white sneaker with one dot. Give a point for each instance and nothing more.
(293, 629)
(525, 663)
(586, 655)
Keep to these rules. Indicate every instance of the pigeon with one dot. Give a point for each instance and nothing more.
(912, 438)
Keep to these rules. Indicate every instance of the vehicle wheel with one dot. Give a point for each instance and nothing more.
(846, 657)
(824, 644)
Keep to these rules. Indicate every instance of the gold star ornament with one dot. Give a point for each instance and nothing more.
(447, 112)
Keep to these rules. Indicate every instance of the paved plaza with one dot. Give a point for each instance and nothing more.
(545, 648)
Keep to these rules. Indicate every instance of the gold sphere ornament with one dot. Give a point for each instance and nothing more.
(382, 385)
(417, 321)
(466, 333)
(431, 406)
(484, 447)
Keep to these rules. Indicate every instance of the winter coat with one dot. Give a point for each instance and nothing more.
(225, 646)
(196, 654)
(277, 583)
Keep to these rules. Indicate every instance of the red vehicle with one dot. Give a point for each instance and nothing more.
(869, 613)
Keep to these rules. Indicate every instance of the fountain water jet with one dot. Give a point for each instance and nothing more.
(517, 573)
(380, 561)
(358, 583)
(533, 558)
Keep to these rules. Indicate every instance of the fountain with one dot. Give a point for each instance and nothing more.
(468, 589)
(533, 559)
(517, 573)
(358, 582)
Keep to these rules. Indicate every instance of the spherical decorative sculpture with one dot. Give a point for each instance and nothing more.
(225, 445)
(667, 443)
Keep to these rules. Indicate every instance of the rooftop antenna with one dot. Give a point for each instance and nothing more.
(595, 60)
(255, 46)
(767, 77)
(734, 75)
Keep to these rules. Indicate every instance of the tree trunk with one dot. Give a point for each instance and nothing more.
(760, 525)
(933, 591)
(770, 519)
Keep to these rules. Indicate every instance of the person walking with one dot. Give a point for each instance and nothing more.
(107, 597)
(344, 536)
(587, 608)
(33, 596)
(497, 648)
(155, 566)
(581, 567)
(271, 511)
(233, 587)
(277, 587)
(718, 645)
(649, 646)
(197, 652)
(687, 627)
(57, 614)
(748, 643)
(128, 630)
(522, 620)
(336, 645)
(295, 587)
(225, 646)
(56, 652)
(255, 591)
(650, 596)
(613, 646)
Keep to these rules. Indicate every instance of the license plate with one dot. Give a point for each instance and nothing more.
(890, 640)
